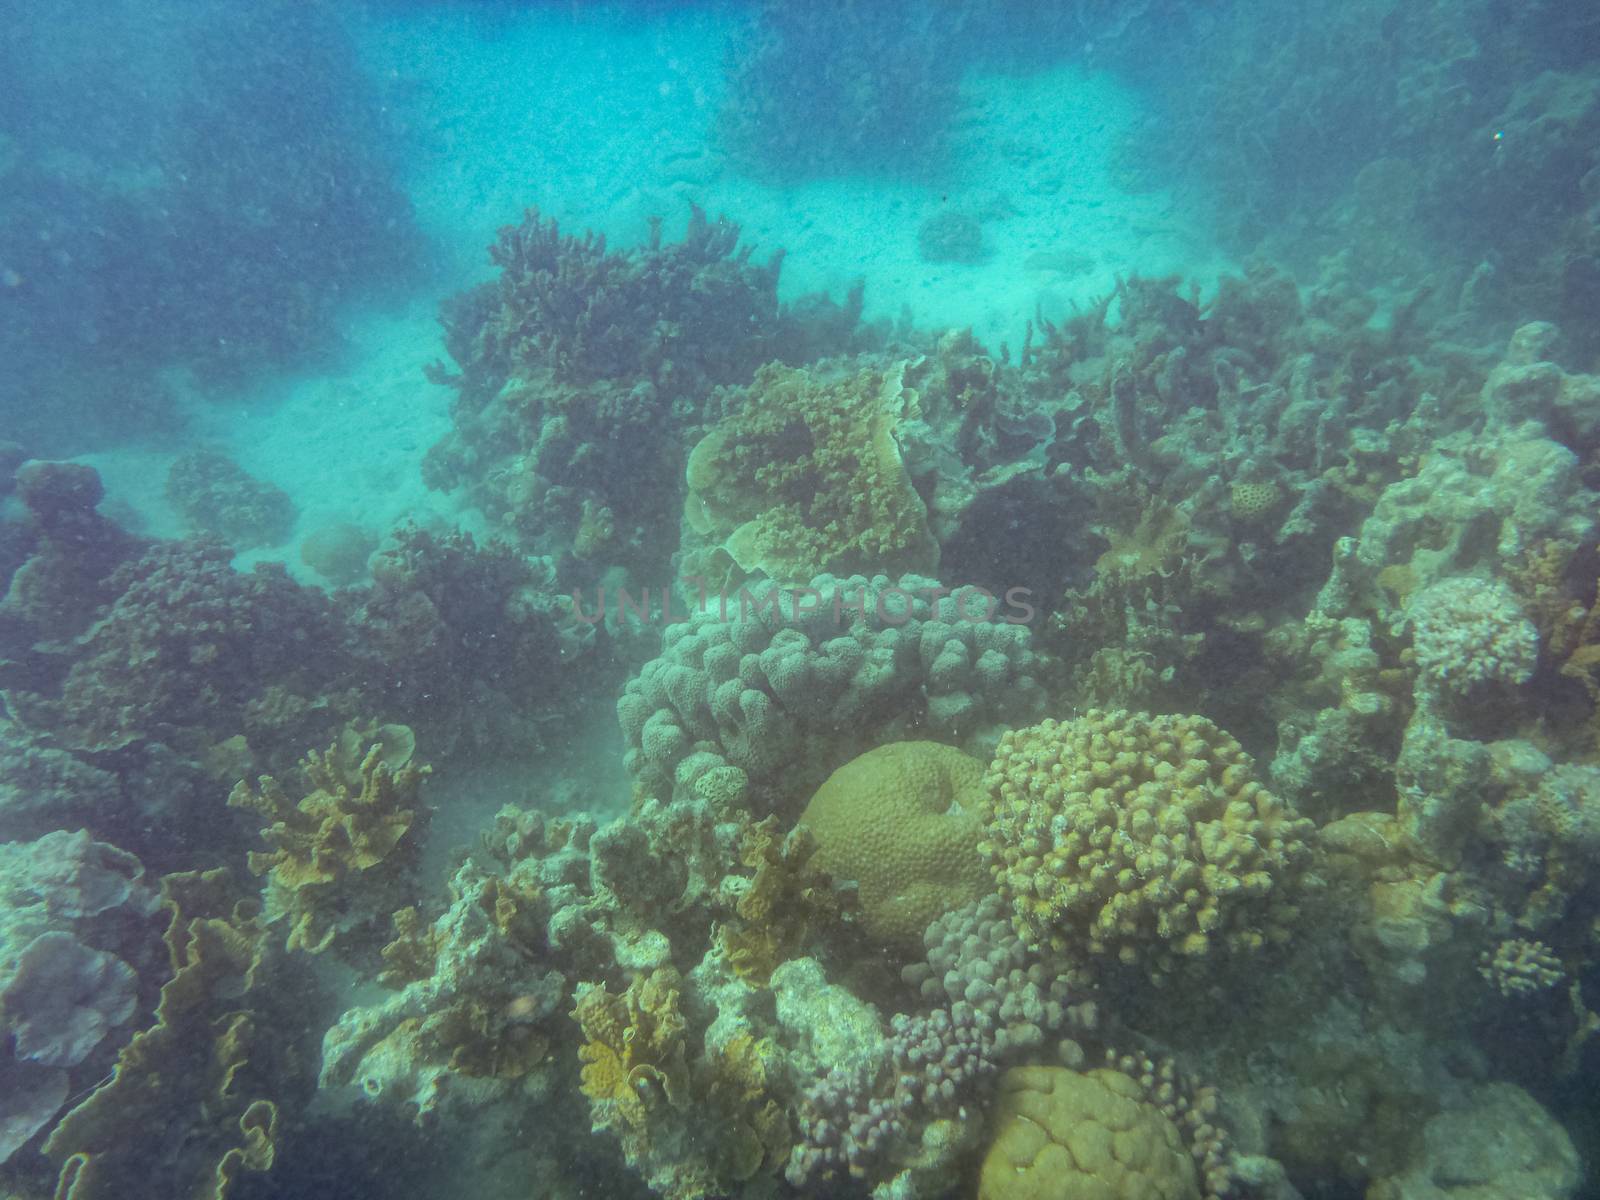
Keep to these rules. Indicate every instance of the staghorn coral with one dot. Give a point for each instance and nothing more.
(1143, 838)
(902, 822)
(343, 849)
(806, 477)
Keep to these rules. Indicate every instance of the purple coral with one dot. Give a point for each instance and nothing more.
(991, 998)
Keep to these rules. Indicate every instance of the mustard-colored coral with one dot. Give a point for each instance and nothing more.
(633, 1056)
(1144, 837)
(807, 477)
(902, 821)
(1066, 1135)
(356, 816)
(786, 899)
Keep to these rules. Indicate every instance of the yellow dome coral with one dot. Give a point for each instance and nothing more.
(1146, 837)
(807, 477)
(1065, 1135)
(902, 821)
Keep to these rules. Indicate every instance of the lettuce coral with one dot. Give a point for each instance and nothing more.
(806, 476)
(339, 851)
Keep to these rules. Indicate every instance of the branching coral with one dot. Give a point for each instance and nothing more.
(338, 853)
(1145, 838)
(806, 476)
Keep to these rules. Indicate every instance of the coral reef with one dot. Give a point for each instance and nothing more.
(194, 1069)
(1082, 1133)
(580, 366)
(786, 684)
(805, 477)
(344, 852)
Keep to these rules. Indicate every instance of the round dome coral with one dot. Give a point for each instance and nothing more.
(1066, 1135)
(902, 821)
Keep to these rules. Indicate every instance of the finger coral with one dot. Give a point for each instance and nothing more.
(1144, 838)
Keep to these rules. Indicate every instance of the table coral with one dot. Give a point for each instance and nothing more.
(806, 476)
(340, 851)
(1065, 1135)
(1147, 838)
(902, 822)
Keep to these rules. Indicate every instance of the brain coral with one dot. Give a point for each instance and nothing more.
(1145, 837)
(1065, 1135)
(902, 821)
(807, 477)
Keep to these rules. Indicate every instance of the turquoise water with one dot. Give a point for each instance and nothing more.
(983, 599)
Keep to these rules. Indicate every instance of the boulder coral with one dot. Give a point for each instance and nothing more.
(1066, 1135)
(902, 822)
(1144, 838)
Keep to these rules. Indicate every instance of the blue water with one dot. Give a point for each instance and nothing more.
(638, 413)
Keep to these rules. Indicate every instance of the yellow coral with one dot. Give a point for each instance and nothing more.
(807, 477)
(785, 900)
(189, 1074)
(1144, 837)
(634, 1054)
(902, 822)
(356, 814)
(1066, 1135)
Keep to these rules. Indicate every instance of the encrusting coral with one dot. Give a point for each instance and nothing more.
(339, 852)
(1146, 838)
(902, 822)
(806, 477)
